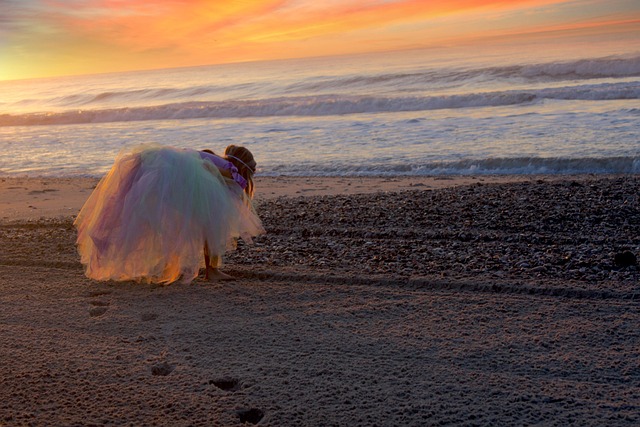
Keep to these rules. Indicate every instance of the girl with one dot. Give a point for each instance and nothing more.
(152, 215)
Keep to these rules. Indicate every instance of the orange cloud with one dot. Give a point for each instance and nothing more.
(142, 25)
(116, 35)
(177, 24)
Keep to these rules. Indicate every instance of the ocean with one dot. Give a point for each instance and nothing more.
(509, 108)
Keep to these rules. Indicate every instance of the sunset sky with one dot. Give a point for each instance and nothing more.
(40, 38)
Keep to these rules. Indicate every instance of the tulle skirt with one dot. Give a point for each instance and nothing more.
(149, 218)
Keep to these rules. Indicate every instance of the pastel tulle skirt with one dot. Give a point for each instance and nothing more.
(149, 218)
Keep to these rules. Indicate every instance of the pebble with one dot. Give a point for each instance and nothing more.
(580, 229)
(625, 259)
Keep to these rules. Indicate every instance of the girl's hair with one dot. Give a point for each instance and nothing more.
(244, 161)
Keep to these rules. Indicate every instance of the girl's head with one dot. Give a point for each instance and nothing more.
(244, 161)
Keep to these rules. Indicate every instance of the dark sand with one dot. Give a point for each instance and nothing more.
(481, 302)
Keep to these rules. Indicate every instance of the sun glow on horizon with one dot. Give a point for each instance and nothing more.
(41, 38)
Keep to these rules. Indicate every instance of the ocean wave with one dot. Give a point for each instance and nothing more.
(131, 96)
(612, 67)
(139, 95)
(324, 105)
(585, 68)
(399, 82)
(492, 166)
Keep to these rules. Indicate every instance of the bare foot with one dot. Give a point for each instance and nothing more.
(215, 275)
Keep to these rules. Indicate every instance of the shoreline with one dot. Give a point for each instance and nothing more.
(370, 301)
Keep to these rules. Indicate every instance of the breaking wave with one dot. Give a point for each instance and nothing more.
(584, 69)
(323, 105)
(493, 166)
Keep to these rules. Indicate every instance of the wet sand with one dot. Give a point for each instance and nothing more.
(370, 301)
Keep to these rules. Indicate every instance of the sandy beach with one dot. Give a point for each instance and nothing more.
(395, 301)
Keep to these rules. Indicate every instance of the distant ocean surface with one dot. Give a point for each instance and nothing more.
(444, 111)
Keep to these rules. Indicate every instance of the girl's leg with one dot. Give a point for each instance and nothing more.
(206, 261)
(213, 273)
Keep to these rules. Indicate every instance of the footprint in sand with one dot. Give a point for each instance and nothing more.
(251, 416)
(98, 293)
(162, 369)
(97, 303)
(46, 190)
(98, 306)
(226, 384)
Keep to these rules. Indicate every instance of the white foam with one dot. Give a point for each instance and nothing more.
(489, 166)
